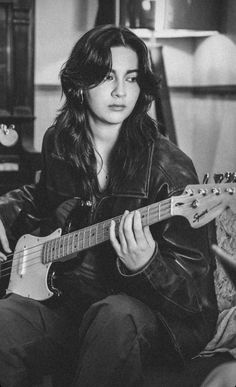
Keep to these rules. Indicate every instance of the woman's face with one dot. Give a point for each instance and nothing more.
(113, 100)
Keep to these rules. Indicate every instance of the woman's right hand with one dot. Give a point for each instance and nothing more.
(4, 242)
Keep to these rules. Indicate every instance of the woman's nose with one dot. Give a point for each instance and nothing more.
(119, 89)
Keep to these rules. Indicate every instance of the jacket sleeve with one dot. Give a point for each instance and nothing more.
(179, 276)
(21, 209)
(180, 271)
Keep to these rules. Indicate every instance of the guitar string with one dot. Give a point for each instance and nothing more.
(154, 206)
(153, 212)
(68, 247)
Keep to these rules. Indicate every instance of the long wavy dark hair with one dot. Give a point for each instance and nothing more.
(90, 61)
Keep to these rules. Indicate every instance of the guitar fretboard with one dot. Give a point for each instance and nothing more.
(69, 244)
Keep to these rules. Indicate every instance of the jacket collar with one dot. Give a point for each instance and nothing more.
(138, 185)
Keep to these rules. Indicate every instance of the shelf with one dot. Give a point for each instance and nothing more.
(145, 33)
(223, 90)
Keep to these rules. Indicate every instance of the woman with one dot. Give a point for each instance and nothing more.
(146, 292)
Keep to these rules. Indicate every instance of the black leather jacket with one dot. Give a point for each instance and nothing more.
(178, 281)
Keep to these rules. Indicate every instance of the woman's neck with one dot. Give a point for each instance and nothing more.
(104, 139)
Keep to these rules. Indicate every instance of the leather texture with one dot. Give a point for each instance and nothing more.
(178, 281)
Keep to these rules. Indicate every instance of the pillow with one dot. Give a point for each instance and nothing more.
(226, 239)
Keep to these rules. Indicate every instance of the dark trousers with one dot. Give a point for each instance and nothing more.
(109, 348)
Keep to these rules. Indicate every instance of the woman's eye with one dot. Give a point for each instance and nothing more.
(109, 77)
(132, 79)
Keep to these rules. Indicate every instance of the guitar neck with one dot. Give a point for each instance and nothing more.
(68, 245)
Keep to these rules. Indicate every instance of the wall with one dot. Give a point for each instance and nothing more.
(205, 114)
(200, 72)
(59, 24)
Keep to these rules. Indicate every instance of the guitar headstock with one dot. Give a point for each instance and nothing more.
(202, 203)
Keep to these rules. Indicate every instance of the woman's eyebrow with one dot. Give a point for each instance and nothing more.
(132, 71)
(127, 72)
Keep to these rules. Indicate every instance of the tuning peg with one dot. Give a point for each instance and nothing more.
(233, 177)
(205, 178)
(218, 177)
(228, 177)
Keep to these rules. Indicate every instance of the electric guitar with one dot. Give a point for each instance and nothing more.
(31, 272)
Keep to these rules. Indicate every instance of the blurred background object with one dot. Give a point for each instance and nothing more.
(193, 16)
(193, 49)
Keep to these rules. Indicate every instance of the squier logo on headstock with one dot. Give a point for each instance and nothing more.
(204, 202)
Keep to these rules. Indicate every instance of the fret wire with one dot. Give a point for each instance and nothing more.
(106, 231)
(144, 216)
(86, 233)
(85, 239)
(57, 242)
(93, 235)
(66, 244)
(76, 241)
(160, 214)
(63, 245)
(81, 239)
(89, 237)
(61, 248)
(98, 233)
(72, 242)
(58, 247)
(46, 252)
(69, 244)
(77, 247)
(159, 211)
(50, 251)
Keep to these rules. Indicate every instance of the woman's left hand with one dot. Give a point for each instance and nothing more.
(135, 244)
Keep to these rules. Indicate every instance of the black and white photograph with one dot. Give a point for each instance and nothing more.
(117, 193)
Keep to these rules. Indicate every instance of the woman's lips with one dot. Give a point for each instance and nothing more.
(117, 107)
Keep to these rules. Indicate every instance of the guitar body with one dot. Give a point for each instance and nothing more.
(30, 277)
